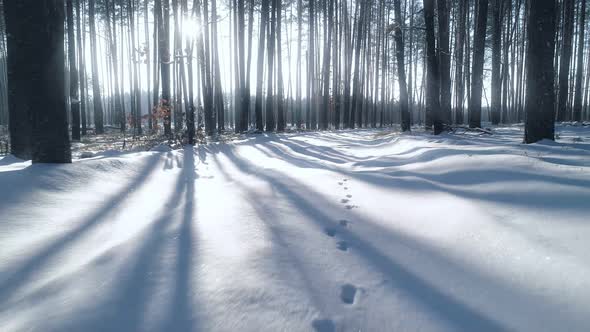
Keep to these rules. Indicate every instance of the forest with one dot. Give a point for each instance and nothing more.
(294, 165)
(179, 68)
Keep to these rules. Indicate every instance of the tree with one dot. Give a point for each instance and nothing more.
(564, 60)
(401, 67)
(432, 83)
(479, 40)
(163, 16)
(496, 54)
(577, 114)
(540, 95)
(81, 67)
(74, 99)
(260, 66)
(36, 87)
(444, 57)
(270, 119)
(96, 94)
(460, 64)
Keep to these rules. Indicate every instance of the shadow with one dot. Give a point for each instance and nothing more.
(20, 274)
(180, 314)
(453, 311)
(446, 181)
(125, 307)
(266, 214)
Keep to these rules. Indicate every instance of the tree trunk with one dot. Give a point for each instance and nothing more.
(540, 95)
(36, 88)
(432, 83)
(564, 60)
(496, 54)
(459, 51)
(401, 66)
(280, 84)
(270, 119)
(577, 114)
(444, 59)
(82, 69)
(74, 98)
(479, 40)
(96, 94)
(260, 66)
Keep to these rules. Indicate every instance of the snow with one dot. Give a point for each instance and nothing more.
(364, 230)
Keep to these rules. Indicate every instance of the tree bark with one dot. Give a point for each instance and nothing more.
(540, 95)
(565, 59)
(577, 114)
(479, 40)
(36, 88)
(74, 88)
(432, 83)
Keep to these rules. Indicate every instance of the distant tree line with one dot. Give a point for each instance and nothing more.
(69, 68)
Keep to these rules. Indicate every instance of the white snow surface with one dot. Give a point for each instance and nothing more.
(363, 230)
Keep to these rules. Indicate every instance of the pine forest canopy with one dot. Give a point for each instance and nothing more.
(70, 68)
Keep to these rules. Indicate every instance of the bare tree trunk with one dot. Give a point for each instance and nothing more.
(96, 95)
(540, 95)
(270, 119)
(444, 57)
(496, 54)
(82, 69)
(459, 51)
(565, 57)
(280, 87)
(260, 66)
(401, 66)
(479, 40)
(36, 88)
(432, 87)
(577, 114)
(74, 99)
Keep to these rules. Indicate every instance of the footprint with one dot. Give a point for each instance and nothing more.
(345, 188)
(344, 200)
(343, 245)
(340, 183)
(343, 222)
(349, 196)
(330, 232)
(345, 180)
(347, 294)
(350, 207)
(323, 325)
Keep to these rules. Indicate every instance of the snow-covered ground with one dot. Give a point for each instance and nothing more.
(361, 230)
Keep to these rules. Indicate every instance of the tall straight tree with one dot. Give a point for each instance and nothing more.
(162, 9)
(36, 88)
(96, 94)
(218, 92)
(270, 119)
(81, 67)
(280, 87)
(260, 65)
(244, 87)
(540, 94)
(432, 72)
(565, 59)
(401, 66)
(577, 113)
(311, 79)
(74, 88)
(444, 57)
(496, 54)
(459, 52)
(479, 43)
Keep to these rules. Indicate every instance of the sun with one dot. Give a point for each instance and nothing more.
(190, 28)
